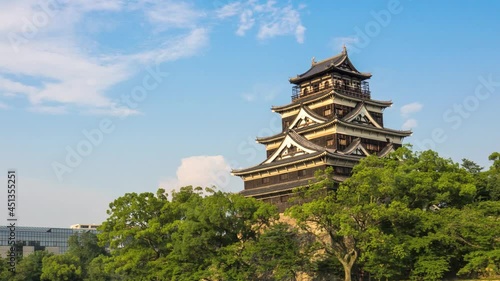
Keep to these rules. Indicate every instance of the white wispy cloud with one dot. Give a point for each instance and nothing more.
(248, 97)
(272, 20)
(410, 124)
(229, 10)
(246, 22)
(349, 41)
(57, 68)
(408, 109)
(114, 111)
(40, 43)
(204, 171)
(11, 88)
(172, 14)
(54, 110)
(3, 105)
(283, 21)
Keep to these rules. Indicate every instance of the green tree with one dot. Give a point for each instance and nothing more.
(153, 238)
(85, 246)
(481, 226)
(101, 269)
(471, 166)
(212, 224)
(279, 253)
(30, 267)
(375, 213)
(330, 221)
(493, 177)
(61, 268)
(139, 229)
(5, 273)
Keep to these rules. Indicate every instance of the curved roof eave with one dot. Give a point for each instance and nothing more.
(319, 95)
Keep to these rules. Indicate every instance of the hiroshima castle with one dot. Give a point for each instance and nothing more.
(332, 120)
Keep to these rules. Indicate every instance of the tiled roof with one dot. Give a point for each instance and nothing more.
(263, 166)
(401, 133)
(355, 143)
(319, 151)
(386, 150)
(325, 93)
(306, 143)
(275, 188)
(354, 112)
(314, 114)
(328, 65)
(287, 186)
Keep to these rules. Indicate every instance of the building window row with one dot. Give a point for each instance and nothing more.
(285, 177)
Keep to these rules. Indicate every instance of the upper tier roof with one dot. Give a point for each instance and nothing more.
(339, 63)
(324, 94)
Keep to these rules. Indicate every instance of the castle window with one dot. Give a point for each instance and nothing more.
(283, 176)
(372, 147)
(328, 112)
(329, 142)
(265, 180)
(315, 87)
(342, 170)
(301, 173)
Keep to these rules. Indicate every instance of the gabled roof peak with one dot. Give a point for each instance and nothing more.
(338, 62)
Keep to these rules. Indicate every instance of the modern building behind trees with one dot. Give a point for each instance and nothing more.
(30, 239)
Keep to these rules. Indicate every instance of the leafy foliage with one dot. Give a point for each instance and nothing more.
(61, 268)
(186, 238)
(30, 267)
(407, 216)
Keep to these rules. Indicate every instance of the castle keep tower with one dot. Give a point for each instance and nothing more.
(331, 121)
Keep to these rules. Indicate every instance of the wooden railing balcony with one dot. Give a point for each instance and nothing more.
(361, 92)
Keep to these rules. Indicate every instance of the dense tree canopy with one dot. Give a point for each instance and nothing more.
(61, 268)
(411, 215)
(408, 216)
(190, 237)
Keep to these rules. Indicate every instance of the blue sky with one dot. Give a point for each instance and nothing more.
(151, 93)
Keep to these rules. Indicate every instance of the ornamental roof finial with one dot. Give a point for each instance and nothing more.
(313, 61)
(344, 50)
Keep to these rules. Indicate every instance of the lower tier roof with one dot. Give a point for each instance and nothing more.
(283, 187)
